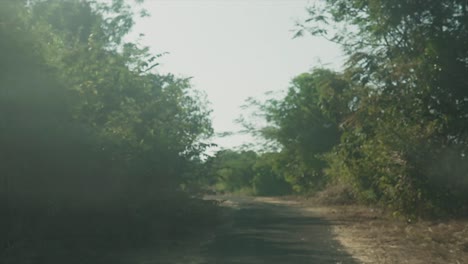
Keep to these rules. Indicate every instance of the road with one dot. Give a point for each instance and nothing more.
(256, 231)
(265, 232)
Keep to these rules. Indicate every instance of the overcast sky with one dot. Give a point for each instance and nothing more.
(234, 49)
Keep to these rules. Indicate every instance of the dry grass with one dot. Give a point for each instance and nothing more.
(371, 236)
(338, 194)
(374, 238)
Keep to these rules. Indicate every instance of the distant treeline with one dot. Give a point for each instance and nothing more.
(92, 141)
(392, 126)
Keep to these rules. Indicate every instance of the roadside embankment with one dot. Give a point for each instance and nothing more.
(372, 236)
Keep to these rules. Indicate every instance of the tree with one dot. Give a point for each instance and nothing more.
(306, 124)
(231, 170)
(269, 175)
(407, 63)
(92, 137)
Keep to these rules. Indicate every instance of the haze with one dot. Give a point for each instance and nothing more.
(233, 50)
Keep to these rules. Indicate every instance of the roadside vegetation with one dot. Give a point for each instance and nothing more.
(390, 129)
(99, 150)
(95, 146)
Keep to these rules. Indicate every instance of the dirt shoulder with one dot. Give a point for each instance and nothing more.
(371, 236)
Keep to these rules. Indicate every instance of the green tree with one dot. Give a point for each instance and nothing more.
(407, 63)
(306, 125)
(269, 175)
(231, 170)
(92, 137)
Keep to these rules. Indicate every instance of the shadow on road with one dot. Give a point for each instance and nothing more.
(257, 232)
(269, 233)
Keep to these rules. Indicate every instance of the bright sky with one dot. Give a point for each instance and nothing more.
(234, 49)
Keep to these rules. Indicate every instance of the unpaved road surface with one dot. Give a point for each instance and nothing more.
(289, 231)
(254, 231)
(260, 231)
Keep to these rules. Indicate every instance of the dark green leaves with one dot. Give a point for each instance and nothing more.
(407, 99)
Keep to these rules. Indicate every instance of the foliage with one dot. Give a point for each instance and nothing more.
(305, 123)
(231, 170)
(407, 66)
(87, 125)
(269, 176)
(301, 129)
(392, 124)
(246, 172)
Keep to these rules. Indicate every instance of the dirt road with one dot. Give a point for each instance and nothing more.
(263, 232)
(255, 231)
(290, 231)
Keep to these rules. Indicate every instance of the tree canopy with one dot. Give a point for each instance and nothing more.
(392, 123)
(88, 125)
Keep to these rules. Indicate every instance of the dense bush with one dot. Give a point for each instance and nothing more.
(247, 172)
(91, 138)
(268, 178)
(392, 124)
